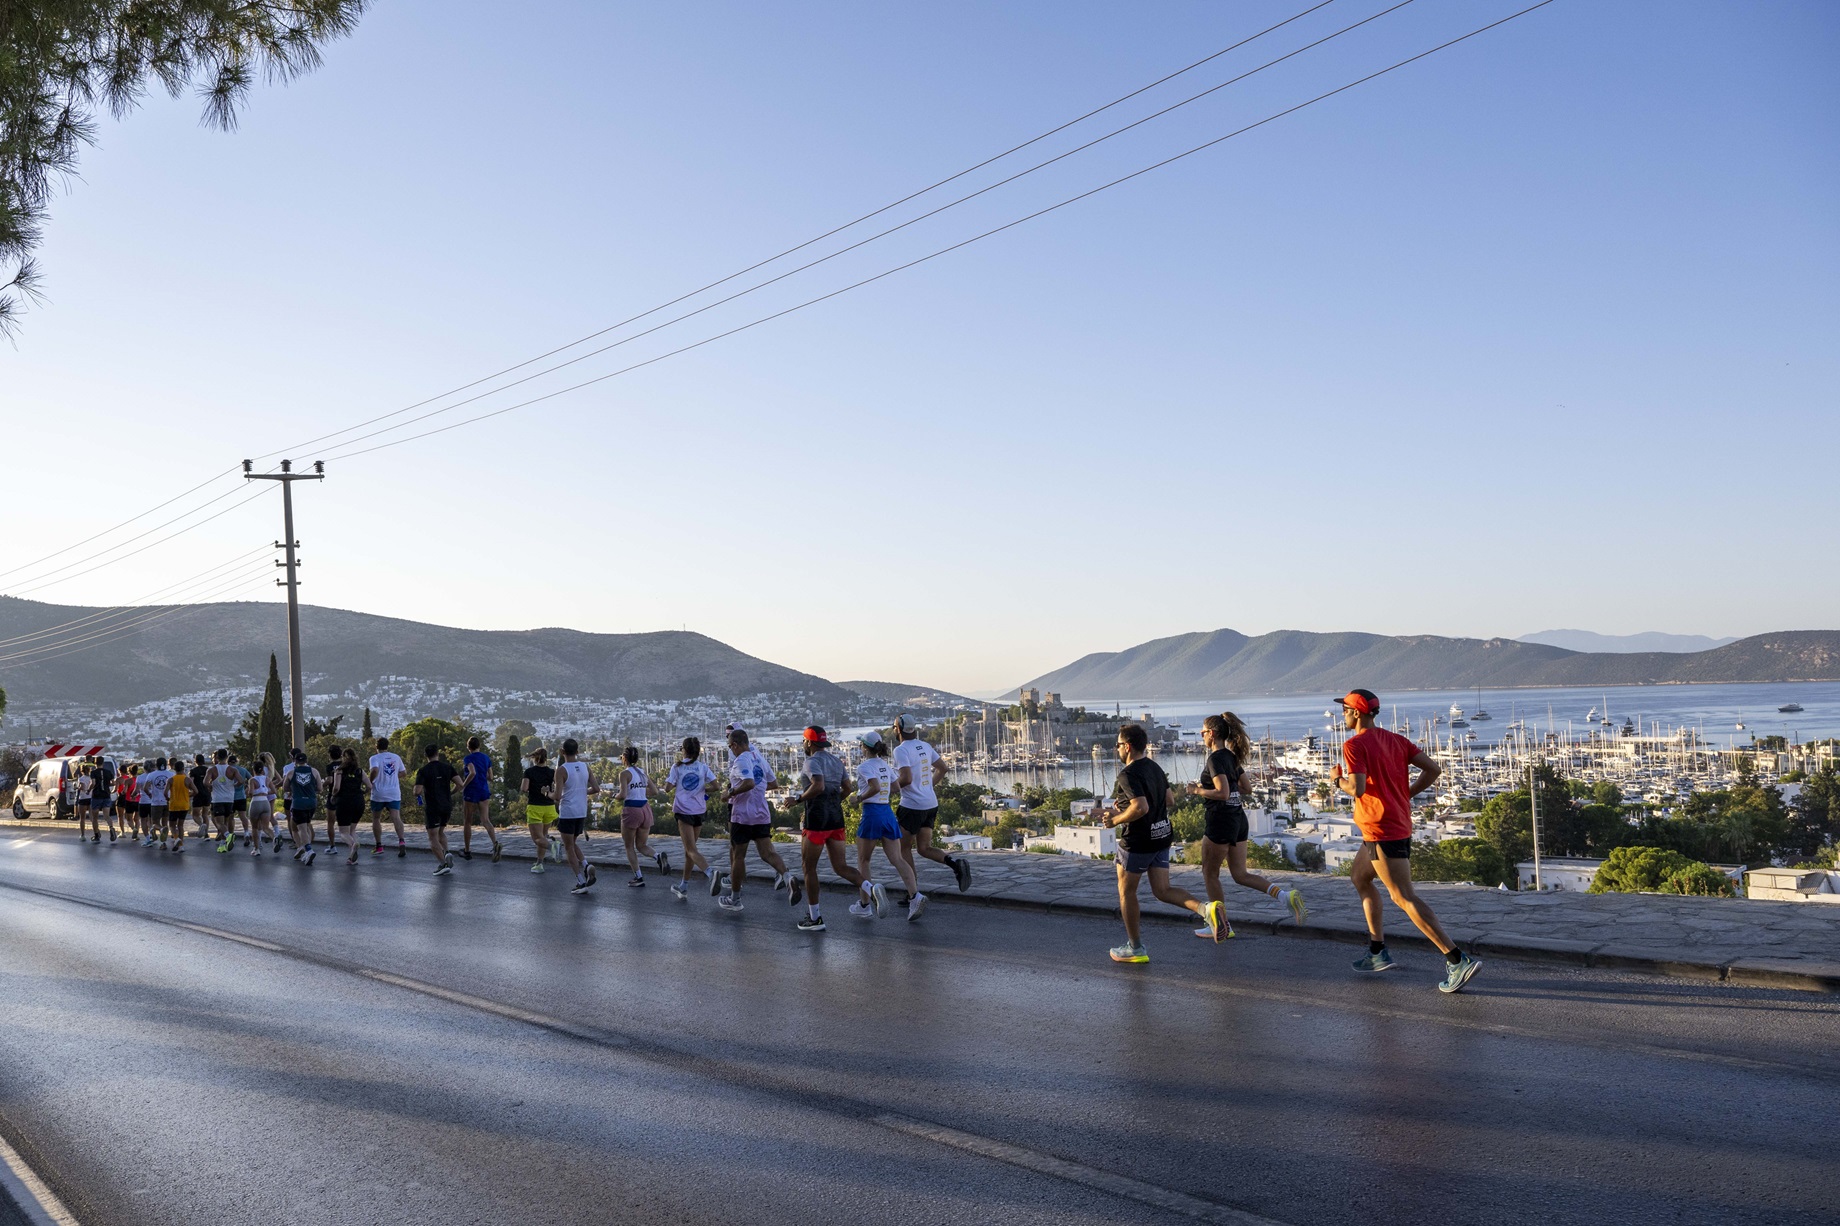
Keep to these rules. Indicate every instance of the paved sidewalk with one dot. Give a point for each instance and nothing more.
(1769, 944)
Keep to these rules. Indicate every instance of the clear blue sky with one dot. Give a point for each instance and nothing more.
(1537, 332)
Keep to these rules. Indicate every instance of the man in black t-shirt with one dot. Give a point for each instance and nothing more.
(1140, 813)
(434, 790)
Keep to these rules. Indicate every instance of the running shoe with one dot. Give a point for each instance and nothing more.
(96, 838)
(916, 907)
(312, 855)
(663, 862)
(1293, 898)
(401, 851)
(179, 846)
(861, 911)
(715, 884)
(680, 891)
(537, 867)
(1129, 952)
(878, 899)
(797, 888)
(1382, 961)
(1458, 973)
(808, 924)
(466, 853)
(447, 861)
(351, 861)
(1216, 915)
(728, 902)
(498, 852)
(781, 881)
(376, 849)
(256, 852)
(635, 883)
(961, 868)
(580, 887)
(444, 870)
(592, 875)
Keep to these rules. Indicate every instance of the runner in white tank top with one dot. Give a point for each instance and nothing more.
(573, 787)
(636, 818)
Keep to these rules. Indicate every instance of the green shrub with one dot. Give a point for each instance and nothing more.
(1044, 849)
(1259, 856)
(1658, 870)
(1474, 860)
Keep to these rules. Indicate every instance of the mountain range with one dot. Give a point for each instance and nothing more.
(229, 643)
(1648, 640)
(1217, 663)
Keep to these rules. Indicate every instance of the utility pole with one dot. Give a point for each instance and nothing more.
(287, 476)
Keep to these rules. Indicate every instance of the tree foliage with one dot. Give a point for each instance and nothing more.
(63, 60)
(1658, 870)
(1475, 860)
(274, 733)
(411, 741)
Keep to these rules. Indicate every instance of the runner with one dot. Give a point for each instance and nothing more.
(239, 806)
(1379, 777)
(102, 796)
(476, 799)
(688, 783)
(335, 758)
(434, 791)
(128, 801)
(387, 771)
(81, 790)
(919, 772)
(1226, 833)
(347, 803)
(220, 781)
(179, 800)
(875, 785)
(1143, 799)
(201, 795)
(635, 815)
(301, 784)
(539, 788)
(573, 787)
(262, 804)
(750, 822)
(144, 807)
(827, 784)
(153, 800)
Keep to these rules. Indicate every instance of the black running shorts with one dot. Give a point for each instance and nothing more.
(1393, 849)
(221, 808)
(568, 825)
(913, 821)
(1229, 828)
(740, 834)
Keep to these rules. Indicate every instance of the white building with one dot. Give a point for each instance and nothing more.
(1793, 884)
(1089, 841)
(967, 842)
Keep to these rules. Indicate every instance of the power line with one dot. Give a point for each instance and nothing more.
(432, 413)
(808, 242)
(107, 633)
(136, 603)
(944, 250)
(149, 545)
(63, 549)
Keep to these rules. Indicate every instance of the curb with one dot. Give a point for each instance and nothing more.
(1806, 975)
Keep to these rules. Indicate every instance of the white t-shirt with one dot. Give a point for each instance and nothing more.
(223, 783)
(390, 771)
(750, 808)
(918, 757)
(875, 770)
(154, 787)
(690, 778)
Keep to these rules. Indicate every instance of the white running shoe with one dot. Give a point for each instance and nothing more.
(878, 899)
(537, 867)
(728, 902)
(916, 907)
(680, 891)
(862, 910)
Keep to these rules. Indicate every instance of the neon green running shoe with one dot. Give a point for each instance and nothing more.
(1129, 952)
(1293, 898)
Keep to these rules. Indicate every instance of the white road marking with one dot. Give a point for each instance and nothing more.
(1073, 1172)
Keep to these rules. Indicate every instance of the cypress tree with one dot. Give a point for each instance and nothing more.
(272, 732)
(513, 767)
(367, 736)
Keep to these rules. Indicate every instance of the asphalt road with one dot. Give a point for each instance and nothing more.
(328, 1045)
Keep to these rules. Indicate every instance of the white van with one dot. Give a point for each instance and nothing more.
(45, 789)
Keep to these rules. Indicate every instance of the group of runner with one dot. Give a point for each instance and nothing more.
(225, 798)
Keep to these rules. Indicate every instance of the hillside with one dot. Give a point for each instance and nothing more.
(1216, 663)
(229, 643)
(908, 695)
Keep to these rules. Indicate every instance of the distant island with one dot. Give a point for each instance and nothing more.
(1217, 663)
(1648, 640)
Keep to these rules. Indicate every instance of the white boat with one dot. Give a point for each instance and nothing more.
(1456, 717)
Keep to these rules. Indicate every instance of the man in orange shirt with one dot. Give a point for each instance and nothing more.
(1379, 777)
